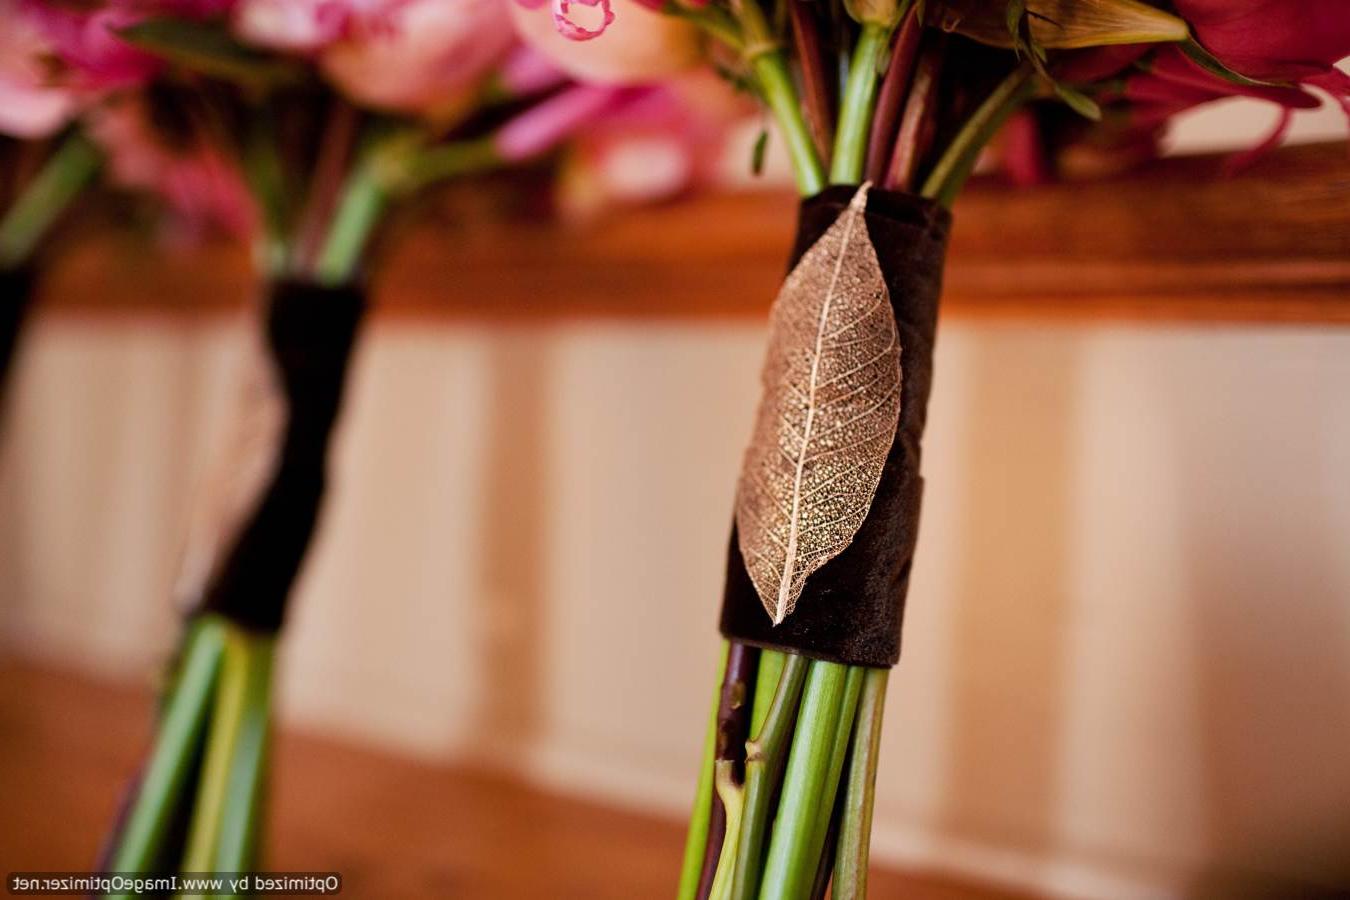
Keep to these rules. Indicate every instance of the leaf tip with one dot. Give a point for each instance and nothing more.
(859, 201)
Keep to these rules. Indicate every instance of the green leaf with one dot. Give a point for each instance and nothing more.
(1079, 102)
(757, 154)
(1059, 24)
(207, 49)
(1211, 64)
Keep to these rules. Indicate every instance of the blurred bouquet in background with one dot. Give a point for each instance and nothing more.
(301, 126)
(43, 165)
(885, 108)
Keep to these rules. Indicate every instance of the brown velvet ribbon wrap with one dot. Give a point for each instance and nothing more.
(16, 291)
(852, 607)
(310, 334)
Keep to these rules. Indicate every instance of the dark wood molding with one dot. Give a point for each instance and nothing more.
(1177, 240)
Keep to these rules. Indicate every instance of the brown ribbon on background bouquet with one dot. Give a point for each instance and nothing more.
(245, 553)
(828, 504)
(16, 291)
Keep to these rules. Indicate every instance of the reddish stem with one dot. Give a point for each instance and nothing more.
(894, 87)
(916, 130)
(733, 727)
(818, 93)
(330, 171)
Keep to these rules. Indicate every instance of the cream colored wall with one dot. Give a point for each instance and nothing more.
(1127, 656)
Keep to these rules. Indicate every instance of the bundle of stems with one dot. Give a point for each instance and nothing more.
(197, 803)
(43, 179)
(783, 808)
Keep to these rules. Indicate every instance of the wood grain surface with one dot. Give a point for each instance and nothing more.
(394, 827)
(1176, 241)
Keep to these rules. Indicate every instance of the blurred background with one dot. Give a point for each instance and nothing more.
(1126, 667)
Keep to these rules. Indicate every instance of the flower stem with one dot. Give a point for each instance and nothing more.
(818, 73)
(449, 160)
(224, 820)
(855, 115)
(697, 840)
(765, 754)
(771, 663)
(958, 161)
(140, 846)
(915, 121)
(56, 184)
(358, 212)
(850, 866)
(891, 97)
(843, 735)
(790, 868)
(239, 817)
(732, 797)
(203, 833)
(733, 720)
(335, 149)
(775, 81)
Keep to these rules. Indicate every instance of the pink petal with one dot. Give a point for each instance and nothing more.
(1240, 161)
(571, 30)
(547, 124)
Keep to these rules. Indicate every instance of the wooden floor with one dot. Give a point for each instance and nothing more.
(393, 827)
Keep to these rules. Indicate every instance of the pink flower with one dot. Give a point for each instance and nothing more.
(1287, 40)
(547, 124)
(30, 106)
(84, 39)
(1292, 40)
(194, 178)
(305, 26)
(527, 72)
(638, 45)
(419, 56)
(426, 56)
(658, 144)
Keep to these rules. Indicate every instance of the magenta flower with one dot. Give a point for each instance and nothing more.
(525, 72)
(193, 177)
(84, 39)
(30, 106)
(657, 144)
(547, 124)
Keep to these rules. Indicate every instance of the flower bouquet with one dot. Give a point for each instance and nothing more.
(885, 107)
(303, 126)
(46, 163)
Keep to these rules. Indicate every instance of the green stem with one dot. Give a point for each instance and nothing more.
(790, 868)
(775, 81)
(696, 843)
(843, 734)
(763, 761)
(363, 200)
(142, 840)
(850, 867)
(447, 161)
(860, 94)
(733, 800)
(59, 182)
(239, 817)
(224, 823)
(204, 831)
(958, 161)
(771, 664)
